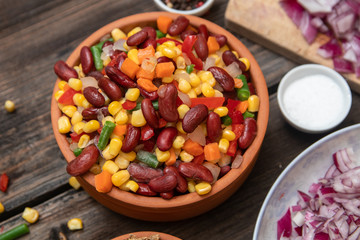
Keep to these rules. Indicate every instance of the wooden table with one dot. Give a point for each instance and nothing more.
(33, 36)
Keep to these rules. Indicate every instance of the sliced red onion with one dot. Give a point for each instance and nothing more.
(198, 135)
(314, 6)
(89, 82)
(209, 62)
(237, 160)
(184, 98)
(119, 45)
(233, 69)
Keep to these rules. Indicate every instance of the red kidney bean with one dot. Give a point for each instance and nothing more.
(86, 59)
(165, 183)
(167, 195)
(96, 74)
(186, 33)
(119, 77)
(82, 163)
(93, 96)
(178, 26)
(181, 181)
(213, 126)
(203, 31)
(150, 31)
(249, 133)
(201, 47)
(221, 39)
(131, 139)
(149, 41)
(194, 117)
(149, 144)
(145, 190)
(165, 59)
(229, 57)
(167, 102)
(64, 71)
(92, 113)
(195, 171)
(166, 138)
(137, 38)
(150, 95)
(110, 88)
(223, 78)
(224, 170)
(149, 113)
(142, 173)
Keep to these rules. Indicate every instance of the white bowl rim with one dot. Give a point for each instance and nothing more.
(316, 68)
(289, 167)
(197, 11)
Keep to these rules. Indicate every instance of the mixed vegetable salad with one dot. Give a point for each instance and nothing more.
(157, 111)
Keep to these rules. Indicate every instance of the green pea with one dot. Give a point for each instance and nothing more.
(189, 68)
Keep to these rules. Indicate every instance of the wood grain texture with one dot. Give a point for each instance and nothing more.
(33, 36)
(265, 22)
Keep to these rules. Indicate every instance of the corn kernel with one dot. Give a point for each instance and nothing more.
(130, 156)
(186, 157)
(61, 106)
(162, 156)
(83, 141)
(194, 80)
(110, 166)
(114, 107)
(64, 124)
(169, 52)
(224, 48)
(180, 62)
(121, 117)
(223, 145)
(75, 84)
(191, 186)
(228, 134)
(133, 55)
(246, 62)
(69, 110)
(205, 76)
(197, 90)
(95, 169)
(76, 118)
(184, 85)
(235, 53)
(2, 208)
(31, 215)
(130, 185)
(216, 57)
(180, 71)
(58, 94)
(133, 31)
(75, 224)
(132, 94)
(121, 162)
(117, 34)
(138, 119)
(107, 119)
(170, 44)
(85, 103)
(203, 188)
(74, 183)
(115, 146)
(62, 84)
(9, 106)
(106, 153)
(79, 71)
(120, 177)
(178, 142)
(78, 127)
(254, 103)
(158, 54)
(180, 128)
(221, 111)
(218, 93)
(78, 99)
(207, 90)
(168, 79)
(182, 110)
(192, 94)
(91, 126)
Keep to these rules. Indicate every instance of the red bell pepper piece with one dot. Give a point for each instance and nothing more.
(164, 39)
(4, 181)
(232, 148)
(187, 49)
(210, 102)
(236, 117)
(178, 102)
(147, 132)
(129, 105)
(199, 159)
(67, 97)
(76, 137)
(232, 104)
(238, 129)
(251, 88)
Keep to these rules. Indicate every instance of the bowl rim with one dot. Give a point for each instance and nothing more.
(147, 233)
(314, 69)
(189, 198)
(197, 11)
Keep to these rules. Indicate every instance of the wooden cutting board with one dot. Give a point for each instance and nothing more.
(266, 23)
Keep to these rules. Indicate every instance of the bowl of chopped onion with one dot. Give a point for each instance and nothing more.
(317, 195)
(153, 129)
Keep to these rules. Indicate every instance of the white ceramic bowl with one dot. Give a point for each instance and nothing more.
(196, 12)
(314, 98)
(304, 170)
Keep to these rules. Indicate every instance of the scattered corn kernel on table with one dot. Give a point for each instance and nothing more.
(33, 36)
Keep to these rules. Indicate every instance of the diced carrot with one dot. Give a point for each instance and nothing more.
(199, 159)
(213, 45)
(238, 83)
(243, 105)
(146, 84)
(120, 130)
(164, 69)
(212, 152)
(147, 52)
(193, 148)
(172, 159)
(142, 73)
(129, 67)
(191, 28)
(163, 23)
(103, 182)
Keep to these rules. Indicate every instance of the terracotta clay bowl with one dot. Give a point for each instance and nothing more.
(163, 236)
(182, 206)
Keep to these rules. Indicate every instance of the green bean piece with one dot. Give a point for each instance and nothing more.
(100, 44)
(160, 34)
(148, 158)
(96, 52)
(243, 93)
(247, 114)
(138, 106)
(189, 68)
(226, 120)
(156, 105)
(16, 232)
(77, 151)
(105, 134)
